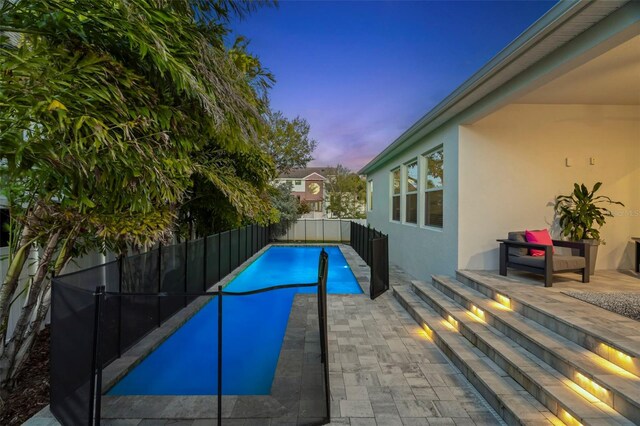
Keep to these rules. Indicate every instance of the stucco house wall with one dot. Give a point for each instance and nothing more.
(513, 164)
(420, 250)
(505, 159)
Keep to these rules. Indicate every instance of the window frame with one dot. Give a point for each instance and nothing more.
(405, 190)
(392, 193)
(424, 190)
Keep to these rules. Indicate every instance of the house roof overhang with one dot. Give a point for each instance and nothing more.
(561, 24)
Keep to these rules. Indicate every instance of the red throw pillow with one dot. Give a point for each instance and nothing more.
(539, 237)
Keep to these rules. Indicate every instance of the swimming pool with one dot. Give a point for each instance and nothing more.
(253, 330)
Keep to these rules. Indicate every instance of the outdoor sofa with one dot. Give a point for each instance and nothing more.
(514, 253)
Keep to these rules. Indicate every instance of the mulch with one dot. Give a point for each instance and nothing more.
(31, 391)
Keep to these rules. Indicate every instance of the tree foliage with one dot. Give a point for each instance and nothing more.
(288, 142)
(110, 110)
(347, 194)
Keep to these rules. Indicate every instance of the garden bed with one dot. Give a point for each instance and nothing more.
(31, 392)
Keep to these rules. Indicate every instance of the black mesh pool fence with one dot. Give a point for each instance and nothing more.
(99, 313)
(373, 247)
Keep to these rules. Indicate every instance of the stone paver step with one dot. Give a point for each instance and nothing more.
(611, 336)
(547, 385)
(505, 395)
(616, 387)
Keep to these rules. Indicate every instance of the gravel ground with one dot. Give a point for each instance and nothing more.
(627, 304)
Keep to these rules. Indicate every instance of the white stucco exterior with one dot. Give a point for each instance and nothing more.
(506, 153)
(510, 175)
(420, 249)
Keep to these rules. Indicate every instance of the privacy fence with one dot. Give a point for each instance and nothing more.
(317, 230)
(99, 313)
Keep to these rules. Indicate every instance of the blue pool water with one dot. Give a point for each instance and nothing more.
(253, 330)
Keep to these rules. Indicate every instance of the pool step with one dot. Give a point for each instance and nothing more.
(598, 338)
(614, 386)
(561, 396)
(510, 400)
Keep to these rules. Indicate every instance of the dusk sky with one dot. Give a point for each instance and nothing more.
(361, 72)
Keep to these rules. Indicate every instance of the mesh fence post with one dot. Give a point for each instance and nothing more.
(219, 355)
(96, 368)
(219, 255)
(159, 313)
(186, 268)
(120, 273)
(204, 266)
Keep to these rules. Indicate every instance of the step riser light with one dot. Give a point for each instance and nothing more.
(427, 331)
(479, 313)
(567, 418)
(592, 387)
(503, 300)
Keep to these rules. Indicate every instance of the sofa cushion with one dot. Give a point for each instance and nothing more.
(517, 251)
(560, 263)
(539, 237)
(568, 263)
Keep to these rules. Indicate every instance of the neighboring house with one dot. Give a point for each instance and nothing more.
(308, 185)
(560, 104)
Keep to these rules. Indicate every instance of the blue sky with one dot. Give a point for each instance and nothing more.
(361, 72)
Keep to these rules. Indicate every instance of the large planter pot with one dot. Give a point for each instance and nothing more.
(593, 254)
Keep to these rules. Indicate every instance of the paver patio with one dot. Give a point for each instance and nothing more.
(384, 370)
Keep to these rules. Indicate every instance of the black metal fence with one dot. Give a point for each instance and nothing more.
(373, 247)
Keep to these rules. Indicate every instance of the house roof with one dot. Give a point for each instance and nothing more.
(562, 23)
(324, 172)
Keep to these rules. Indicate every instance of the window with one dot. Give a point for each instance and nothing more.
(434, 189)
(297, 182)
(411, 195)
(395, 195)
(370, 195)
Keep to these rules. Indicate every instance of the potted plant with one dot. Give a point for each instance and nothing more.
(581, 215)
